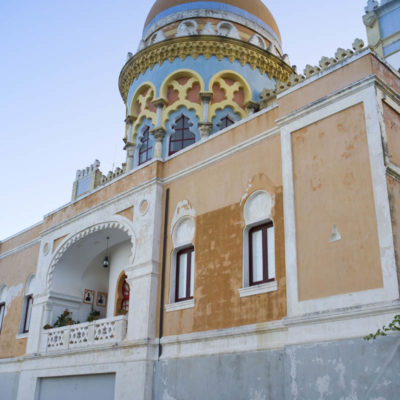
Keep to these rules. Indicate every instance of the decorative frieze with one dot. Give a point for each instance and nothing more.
(207, 46)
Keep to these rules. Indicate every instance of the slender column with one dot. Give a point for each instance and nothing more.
(130, 151)
(159, 131)
(158, 134)
(205, 126)
(128, 127)
(159, 104)
(129, 141)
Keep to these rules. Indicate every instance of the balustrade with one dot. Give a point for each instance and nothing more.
(88, 334)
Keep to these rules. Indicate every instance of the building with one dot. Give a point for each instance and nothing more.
(246, 246)
(381, 21)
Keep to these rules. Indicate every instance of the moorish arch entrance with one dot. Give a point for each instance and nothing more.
(83, 290)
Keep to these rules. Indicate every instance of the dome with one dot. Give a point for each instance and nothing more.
(255, 9)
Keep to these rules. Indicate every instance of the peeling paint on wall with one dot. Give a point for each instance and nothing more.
(11, 293)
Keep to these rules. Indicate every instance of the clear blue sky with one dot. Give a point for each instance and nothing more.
(60, 107)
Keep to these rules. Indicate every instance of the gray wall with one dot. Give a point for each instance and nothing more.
(343, 370)
(9, 386)
(84, 387)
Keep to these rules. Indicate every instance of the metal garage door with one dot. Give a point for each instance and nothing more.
(83, 387)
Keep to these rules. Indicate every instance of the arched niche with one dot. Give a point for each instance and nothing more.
(78, 268)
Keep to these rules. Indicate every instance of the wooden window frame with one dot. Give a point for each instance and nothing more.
(28, 305)
(188, 251)
(181, 133)
(264, 227)
(224, 121)
(2, 313)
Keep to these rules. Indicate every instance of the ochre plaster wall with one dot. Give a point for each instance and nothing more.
(327, 84)
(218, 144)
(385, 74)
(332, 182)
(157, 169)
(21, 239)
(14, 271)
(394, 199)
(108, 192)
(392, 125)
(217, 194)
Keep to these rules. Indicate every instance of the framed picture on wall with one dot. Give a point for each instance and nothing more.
(101, 299)
(88, 296)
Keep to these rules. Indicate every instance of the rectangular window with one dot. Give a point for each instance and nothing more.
(261, 254)
(28, 312)
(184, 275)
(2, 311)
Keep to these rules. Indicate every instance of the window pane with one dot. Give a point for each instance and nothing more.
(271, 253)
(182, 278)
(2, 309)
(188, 135)
(175, 145)
(257, 256)
(192, 274)
(142, 156)
(28, 314)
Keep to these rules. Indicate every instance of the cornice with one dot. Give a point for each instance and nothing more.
(206, 46)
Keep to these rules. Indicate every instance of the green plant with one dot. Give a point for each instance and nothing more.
(47, 326)
(64, 319)
(94, 314)
(122, 312)
(394, 326)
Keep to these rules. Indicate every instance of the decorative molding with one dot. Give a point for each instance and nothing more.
(82, 234)
(19, 248)
(260, 26)
(259, 289)
(182, 305)
(207, 46)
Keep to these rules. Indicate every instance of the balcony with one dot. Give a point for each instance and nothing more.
(86, 335)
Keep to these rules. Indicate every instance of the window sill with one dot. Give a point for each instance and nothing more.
(180, 305)
(22, 335)
(264, 288)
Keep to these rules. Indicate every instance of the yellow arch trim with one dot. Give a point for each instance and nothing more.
(230, 91)
(182, 90)
(145, 113)
(179, 74)
(137, 95)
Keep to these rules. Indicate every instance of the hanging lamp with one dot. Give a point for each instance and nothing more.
(106, 261)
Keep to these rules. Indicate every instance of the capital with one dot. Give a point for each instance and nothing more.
(158, 133)
(252, 107)
(205, 129)
(206, 96)
(130, 119)
(160, 102)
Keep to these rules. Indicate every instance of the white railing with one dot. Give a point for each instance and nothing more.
(88, 334)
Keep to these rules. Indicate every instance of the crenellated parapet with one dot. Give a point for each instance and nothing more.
(268, 96)
(91, 178)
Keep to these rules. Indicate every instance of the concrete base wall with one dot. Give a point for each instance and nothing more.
(9, 386)
(342, 370)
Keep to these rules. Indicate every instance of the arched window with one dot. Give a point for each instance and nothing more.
(3, 290)
(182, 137)
(259, 275)
(184, 280)
(146, 149)
(27, 307)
